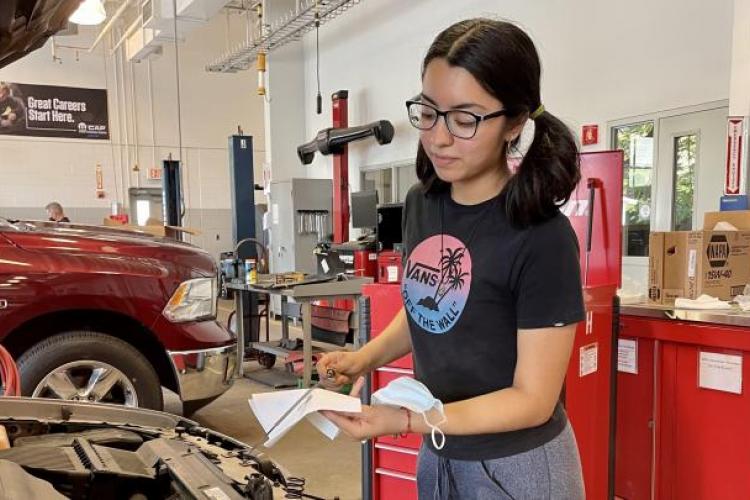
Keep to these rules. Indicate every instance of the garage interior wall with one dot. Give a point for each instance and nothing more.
(601, 61)
(36, 171)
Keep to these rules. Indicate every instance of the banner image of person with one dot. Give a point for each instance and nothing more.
(48, 111)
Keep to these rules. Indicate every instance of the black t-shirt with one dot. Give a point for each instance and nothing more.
(471, 280)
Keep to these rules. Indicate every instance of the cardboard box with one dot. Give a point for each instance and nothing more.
(738, 218)
(655, 267)
(691, 263)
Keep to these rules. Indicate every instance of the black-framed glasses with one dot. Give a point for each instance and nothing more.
(461, 123)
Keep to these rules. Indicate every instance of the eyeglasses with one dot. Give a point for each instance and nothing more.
(461, 124)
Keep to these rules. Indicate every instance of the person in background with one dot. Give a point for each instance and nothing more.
(56, 213)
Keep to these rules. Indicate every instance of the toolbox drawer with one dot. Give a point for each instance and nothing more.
(410, 441)
(387, 374)
(381, 378)
(395, 458)
(392, 485)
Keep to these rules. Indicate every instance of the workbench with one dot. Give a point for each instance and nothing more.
(305, 295)
(683, 404)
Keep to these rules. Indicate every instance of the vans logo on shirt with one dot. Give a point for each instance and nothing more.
(437, 282)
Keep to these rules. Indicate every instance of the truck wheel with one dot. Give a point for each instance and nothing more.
(266, 360)
(89, 366)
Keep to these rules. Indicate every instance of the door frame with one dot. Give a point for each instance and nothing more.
(660, 220)
(665, 209)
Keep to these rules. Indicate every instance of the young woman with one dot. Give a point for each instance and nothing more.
(492, 289)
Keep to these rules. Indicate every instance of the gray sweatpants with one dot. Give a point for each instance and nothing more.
(551, 471)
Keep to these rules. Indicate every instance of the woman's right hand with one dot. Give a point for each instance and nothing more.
(348, 366)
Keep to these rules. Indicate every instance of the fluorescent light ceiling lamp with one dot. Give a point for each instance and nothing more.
(89, 13)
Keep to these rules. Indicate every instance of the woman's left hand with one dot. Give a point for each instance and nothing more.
(372, 422)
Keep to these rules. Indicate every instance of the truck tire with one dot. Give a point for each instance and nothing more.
(89, 366)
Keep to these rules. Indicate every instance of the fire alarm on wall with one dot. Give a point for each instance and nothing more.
(590, 135)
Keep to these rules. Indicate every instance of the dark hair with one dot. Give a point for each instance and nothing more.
(503, 59)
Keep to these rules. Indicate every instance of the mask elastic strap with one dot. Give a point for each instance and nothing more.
(435, 431)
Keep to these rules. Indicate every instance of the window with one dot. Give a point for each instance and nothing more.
(683, 194)
(637, 143)
(380, 180)
(143, 211)
(391, 180)
(407, 177)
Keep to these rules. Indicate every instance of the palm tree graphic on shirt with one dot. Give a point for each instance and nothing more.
(452, 277)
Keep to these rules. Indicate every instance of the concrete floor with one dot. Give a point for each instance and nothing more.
(331, 468)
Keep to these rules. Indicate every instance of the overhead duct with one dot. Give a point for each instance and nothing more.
(156, 24)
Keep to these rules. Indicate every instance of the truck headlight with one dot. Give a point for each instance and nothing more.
(192, 301)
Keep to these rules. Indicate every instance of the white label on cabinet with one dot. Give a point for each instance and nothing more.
(627, 356)
(588, 359)
(392, 274)
(721, 372)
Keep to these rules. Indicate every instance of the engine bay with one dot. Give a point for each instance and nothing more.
(81, 458)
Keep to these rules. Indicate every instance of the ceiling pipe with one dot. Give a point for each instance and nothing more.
(131, 29)
(119, 12)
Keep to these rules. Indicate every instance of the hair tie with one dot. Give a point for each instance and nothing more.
(536, 114)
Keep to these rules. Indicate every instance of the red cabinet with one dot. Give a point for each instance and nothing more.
(684, 440)
(394, 458)
(634, 434)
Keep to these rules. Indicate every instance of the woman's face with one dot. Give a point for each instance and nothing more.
(459, 160)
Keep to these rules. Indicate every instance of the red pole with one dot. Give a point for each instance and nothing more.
(341, 172)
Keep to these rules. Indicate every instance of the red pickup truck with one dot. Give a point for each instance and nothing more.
(98, 314)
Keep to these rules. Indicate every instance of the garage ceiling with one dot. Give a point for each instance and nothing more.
(25, 25)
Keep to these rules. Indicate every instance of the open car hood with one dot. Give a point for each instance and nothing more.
(25, 25)
(88, 450)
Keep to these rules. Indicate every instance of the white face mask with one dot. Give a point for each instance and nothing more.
(414, 395)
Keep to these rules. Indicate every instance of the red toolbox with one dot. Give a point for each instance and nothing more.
(390, 268)
(394, 459)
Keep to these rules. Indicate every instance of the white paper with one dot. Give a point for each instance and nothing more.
(325, 266)
(588, 359)
(275, 212)
(268, 407)
(627, 356)
(392, 274)
(721, 372)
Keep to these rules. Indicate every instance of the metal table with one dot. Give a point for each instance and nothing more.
(729, 317)
(304, 294)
